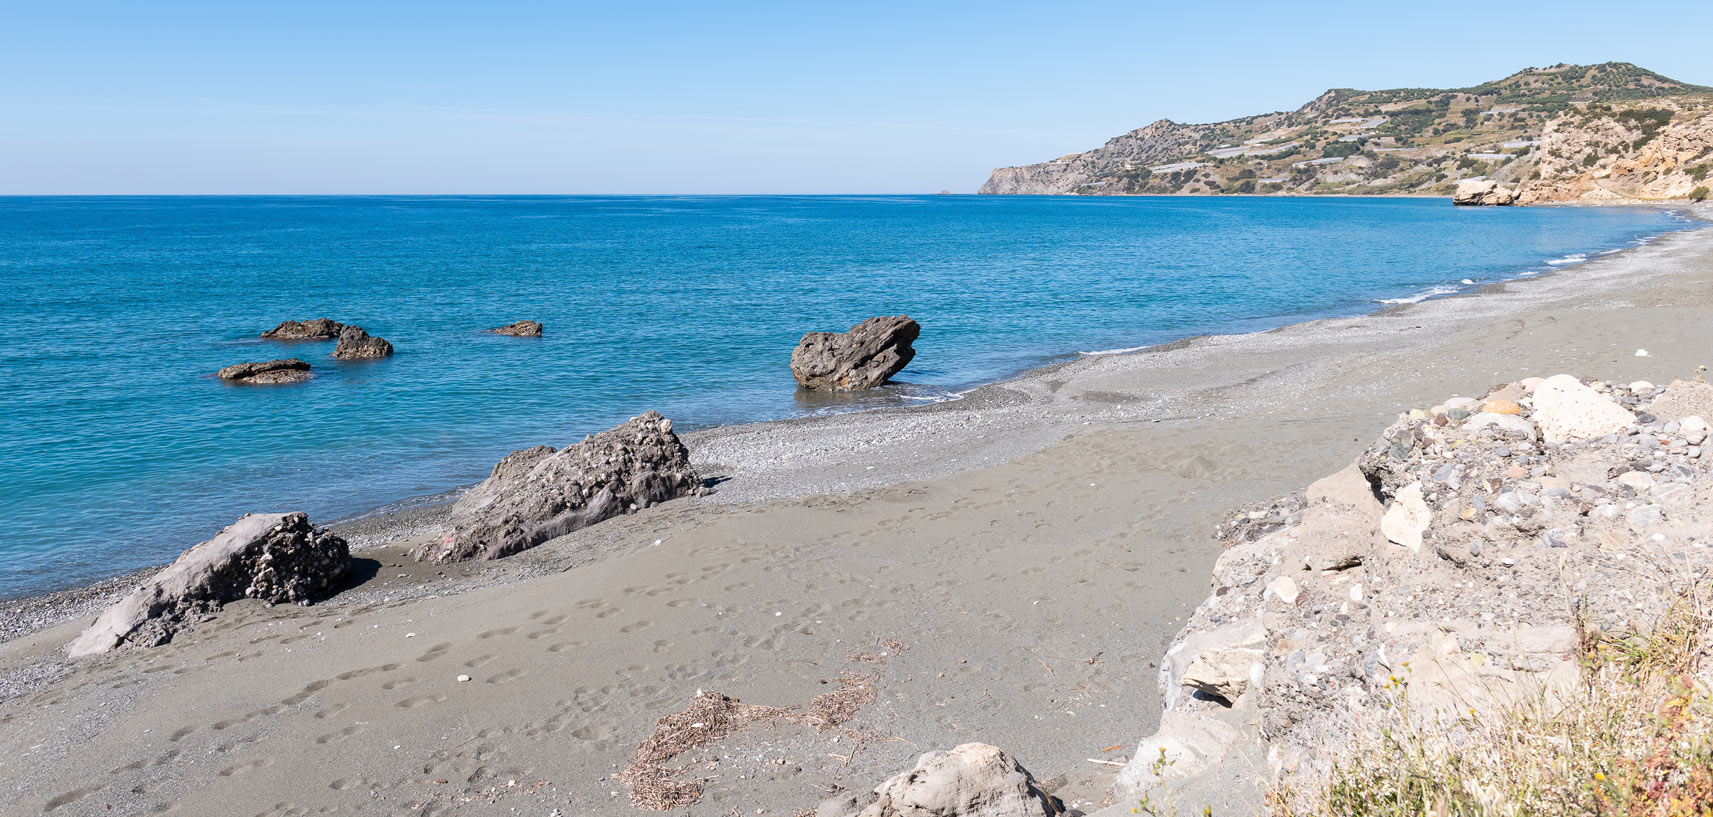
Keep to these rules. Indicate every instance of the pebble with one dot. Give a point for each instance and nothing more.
(1645, 516)
(463, 679)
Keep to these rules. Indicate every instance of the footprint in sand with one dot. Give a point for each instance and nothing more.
(566, 645)
(480, 660)
(640, 625)
(70, 797)
(505, 677)
(335, 737)
(241, 768)
(435, 652)
(499, 632)
(421, 700)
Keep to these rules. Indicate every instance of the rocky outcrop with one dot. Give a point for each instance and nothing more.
(1454, 563)
(357, 344)
(521, 329)
(538, 493)
(1614, 156)
(972, 780)
(273, 557)
(317, 329)
(865, 357)
(268, 372)
(1483, 193)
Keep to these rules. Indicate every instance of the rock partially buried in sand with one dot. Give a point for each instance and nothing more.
(538, 493)
(972, 780)
(317, 329)
(1566, 410)
(1483, 193)
(274, 557)
(1407, 518)
(865, 357)
(521, 329)
(268, 372)
(355, 343)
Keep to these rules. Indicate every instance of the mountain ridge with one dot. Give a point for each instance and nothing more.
(1561, 133)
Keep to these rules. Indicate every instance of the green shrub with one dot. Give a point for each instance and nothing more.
(1699, 194)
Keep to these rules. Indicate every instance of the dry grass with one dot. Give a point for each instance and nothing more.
(1635, 739)
(656, 785)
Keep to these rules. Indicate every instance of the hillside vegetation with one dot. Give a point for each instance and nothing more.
(1566, 132)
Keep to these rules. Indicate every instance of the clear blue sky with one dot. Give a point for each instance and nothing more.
(801, 97)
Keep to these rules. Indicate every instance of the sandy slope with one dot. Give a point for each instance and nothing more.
(1020, 557)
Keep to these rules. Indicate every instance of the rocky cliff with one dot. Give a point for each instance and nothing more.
(1559, 133)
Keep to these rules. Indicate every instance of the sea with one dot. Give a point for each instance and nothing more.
(119, 448)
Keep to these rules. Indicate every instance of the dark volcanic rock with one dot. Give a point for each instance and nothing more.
(538, 493)
(275, 557)
(357, 344)
(268, 372)
(521, 329)
(318, 329)
(862, 358)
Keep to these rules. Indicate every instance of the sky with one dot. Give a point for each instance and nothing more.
(172, 97)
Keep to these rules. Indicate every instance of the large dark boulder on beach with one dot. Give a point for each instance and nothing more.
(538, 493)
(317, 329)
(521, 329)
(357, 344)
(862, 358)
(274, 557)
(267, 372)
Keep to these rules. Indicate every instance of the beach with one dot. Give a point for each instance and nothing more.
(1006, 567)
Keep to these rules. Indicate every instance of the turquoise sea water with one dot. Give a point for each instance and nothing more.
(118, 448)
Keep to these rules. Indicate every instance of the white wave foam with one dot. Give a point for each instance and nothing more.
(1126, 350)
(1573, 258)
(1430, 292)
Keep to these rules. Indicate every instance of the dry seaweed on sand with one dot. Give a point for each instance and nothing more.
(712, 716)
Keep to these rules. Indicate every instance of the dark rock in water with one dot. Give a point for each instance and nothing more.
(268, 372)
(318, 329)
(538, 493)
(357, 344)
(862, 358)
(521, 329)
(274, 557)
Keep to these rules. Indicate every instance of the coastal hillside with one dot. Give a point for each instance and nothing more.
(1561, 133)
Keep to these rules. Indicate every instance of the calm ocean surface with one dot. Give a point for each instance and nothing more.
(118, 448)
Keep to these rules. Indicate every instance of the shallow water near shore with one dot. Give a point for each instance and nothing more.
(120, 449)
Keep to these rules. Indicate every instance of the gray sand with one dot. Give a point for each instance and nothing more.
(1007, 568)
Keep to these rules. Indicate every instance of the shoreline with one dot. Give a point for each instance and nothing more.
(1031, 550)
(415, 516)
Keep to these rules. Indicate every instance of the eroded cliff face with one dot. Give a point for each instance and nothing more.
(1608, 157)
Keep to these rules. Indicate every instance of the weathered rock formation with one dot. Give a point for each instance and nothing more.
(1455, 563)
(1613, 155)
(357, 344)
(862, 358)
(274, 557)
(521, 329)
(317, 329)
(1483, 193)
(972, 780)
(268, 372)
(538, 493)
